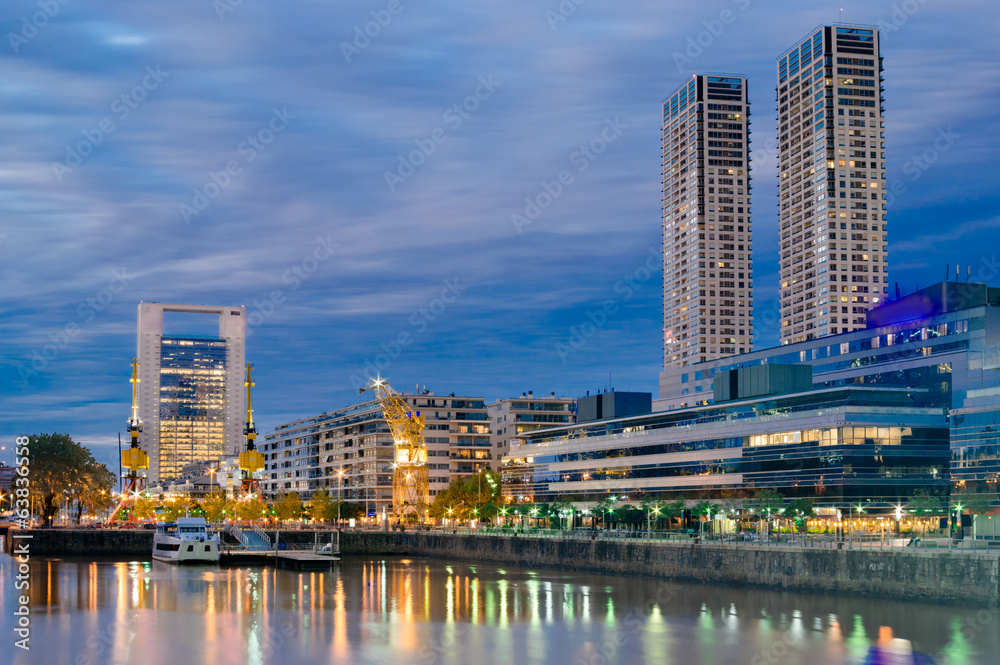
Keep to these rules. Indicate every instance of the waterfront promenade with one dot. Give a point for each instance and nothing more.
(958, 576)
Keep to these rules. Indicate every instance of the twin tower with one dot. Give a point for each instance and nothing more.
(830, 154)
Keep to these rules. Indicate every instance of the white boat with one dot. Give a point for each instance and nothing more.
(187, 541)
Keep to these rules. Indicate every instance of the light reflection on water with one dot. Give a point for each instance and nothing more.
(428, 612)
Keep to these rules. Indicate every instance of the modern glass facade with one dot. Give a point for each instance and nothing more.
(838, 446)
(943, 340)
(192, 402)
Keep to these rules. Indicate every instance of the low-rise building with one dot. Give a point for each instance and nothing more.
(350, 451)
(527, 413)
(838, 446)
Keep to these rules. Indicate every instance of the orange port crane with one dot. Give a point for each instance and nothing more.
(410, 485)
(251, 460)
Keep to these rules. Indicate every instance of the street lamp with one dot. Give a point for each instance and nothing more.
(211, 478)
(340, 492)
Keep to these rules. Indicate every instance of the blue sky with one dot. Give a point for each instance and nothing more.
(208, 152)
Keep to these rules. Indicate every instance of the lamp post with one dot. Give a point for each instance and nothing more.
(340, 492)
(211, 479)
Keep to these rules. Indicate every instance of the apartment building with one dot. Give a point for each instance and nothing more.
(350, 451)
(527, 413)
(707, 232)
(831, 155)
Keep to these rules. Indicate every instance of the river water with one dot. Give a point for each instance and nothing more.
(428, 612)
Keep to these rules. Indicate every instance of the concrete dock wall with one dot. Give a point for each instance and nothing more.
(956, 577)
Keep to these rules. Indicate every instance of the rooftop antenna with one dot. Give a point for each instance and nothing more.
(968, 273)
(956, 272)
(947, 269)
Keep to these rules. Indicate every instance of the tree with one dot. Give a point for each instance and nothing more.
(606, 509)
(674, 509)
(322, 507)
(924, 504)
(250, 508)
(560, 510)
(973, 500)
(97, 493)
(704, 509)
(144, 507)
(349, 511)
(653, 509)
(766, 503)
(214, 506)
(475, 497)
(59, 468)
(798, 511)
(289, 507)
(179, 506)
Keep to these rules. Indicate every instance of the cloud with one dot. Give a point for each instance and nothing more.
(324, 176)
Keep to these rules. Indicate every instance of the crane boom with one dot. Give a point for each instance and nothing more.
(410, 483)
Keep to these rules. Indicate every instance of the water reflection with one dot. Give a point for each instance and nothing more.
(421, 611)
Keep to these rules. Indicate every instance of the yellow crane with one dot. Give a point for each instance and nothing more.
(251, 460)
(410, 486)
(134, 458)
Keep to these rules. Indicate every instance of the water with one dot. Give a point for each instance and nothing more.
(426, 612)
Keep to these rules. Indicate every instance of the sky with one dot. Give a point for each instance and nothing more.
(463, 196)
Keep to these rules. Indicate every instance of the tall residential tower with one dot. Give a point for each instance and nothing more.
(832, 179)
(707, 239)
(191, 399)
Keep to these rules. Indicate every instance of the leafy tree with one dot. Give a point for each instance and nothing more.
(469, 498)
(766, 503)
(179, 506)
(289, 507)
(605, 508)
(322, 507)
(249, 509)
(924, 504)
(144, 507)
(560, 511)
(674, 509)
(798, 511)
(97, 494)
(704, 509)
(214, 506)
(59, 469)
(654, 509)
(352, 511)
(973, 500)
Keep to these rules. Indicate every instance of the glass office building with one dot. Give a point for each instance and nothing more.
(839, 446)
(942, 341)
(192, 402)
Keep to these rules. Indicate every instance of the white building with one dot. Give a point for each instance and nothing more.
(707, 233)
(350, 451)
(834, 266)
(191, 393)
(527, 413)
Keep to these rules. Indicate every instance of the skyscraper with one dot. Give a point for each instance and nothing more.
(832, 179)
(707, 238)
(191, 399)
